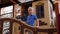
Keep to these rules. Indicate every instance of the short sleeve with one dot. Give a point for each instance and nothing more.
(35, 17)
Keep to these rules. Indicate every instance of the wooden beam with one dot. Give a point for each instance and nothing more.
(13, 1)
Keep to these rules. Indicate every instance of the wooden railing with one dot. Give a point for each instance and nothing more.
(35, 30)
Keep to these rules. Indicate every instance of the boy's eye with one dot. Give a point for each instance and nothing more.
(30, 10)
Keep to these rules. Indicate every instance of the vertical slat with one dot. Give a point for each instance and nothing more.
(22, 30)
(1, 27)
(11, 26)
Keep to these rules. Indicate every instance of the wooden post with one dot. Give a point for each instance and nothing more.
(57, 17)
(56, 9)
(0, 12)
(13, 12)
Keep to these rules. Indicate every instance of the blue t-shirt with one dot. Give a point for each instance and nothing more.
(30, 19)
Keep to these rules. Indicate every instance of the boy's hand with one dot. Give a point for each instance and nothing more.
(37, 26)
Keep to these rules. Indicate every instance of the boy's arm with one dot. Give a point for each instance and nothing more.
(37, 22)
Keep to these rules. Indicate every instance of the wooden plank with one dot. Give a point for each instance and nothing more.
(13, 1)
